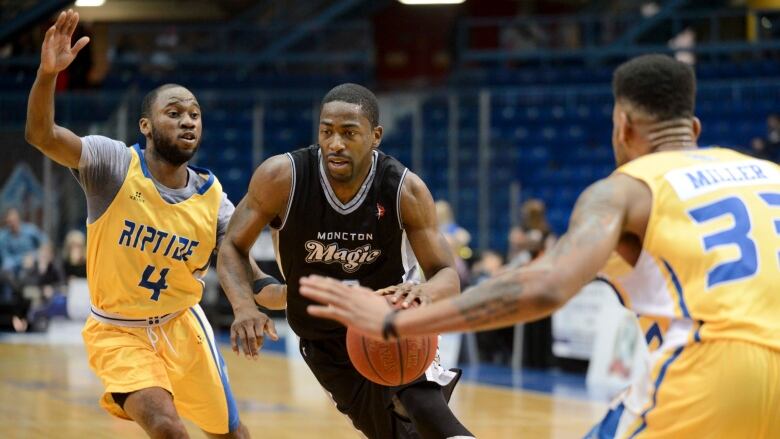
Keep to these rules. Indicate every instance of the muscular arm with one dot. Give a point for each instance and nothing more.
(597, 223)
(265, 200)
(418, 215)
(273, 296)
(56, 142)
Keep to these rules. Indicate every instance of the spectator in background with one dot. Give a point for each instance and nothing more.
(41, 280)
(17, 240)
(43, 271)
(457, 237)
(527, 241)
(74, 255)
(19, 244)
(683, 44)
(495, 346)
(759, 150)
(532, 236)
(773, 133)
(489, 264)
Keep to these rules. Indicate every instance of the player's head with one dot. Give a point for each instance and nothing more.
(654, 104)
(171, 123)
(349, 131)
(13, 220)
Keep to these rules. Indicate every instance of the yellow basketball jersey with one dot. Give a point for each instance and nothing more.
(145, 256)
(710, 262)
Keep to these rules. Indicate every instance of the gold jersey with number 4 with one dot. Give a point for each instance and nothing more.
(146, 329)
(145, 256)
(706, 289)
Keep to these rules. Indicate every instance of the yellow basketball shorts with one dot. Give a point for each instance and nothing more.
(717, 389)
(180, 355)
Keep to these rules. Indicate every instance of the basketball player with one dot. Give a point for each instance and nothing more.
(153, 224)
(344, 209)
(688, 236)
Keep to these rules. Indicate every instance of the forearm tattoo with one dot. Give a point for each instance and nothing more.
(491, 301)
(595, 221)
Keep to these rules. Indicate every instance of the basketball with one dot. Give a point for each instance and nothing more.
(391, 363)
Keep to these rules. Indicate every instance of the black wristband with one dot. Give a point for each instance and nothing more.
(259, 284)
(388, 326)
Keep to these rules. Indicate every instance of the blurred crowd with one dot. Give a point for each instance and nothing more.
(768, 147)
(34, 276)
(527, 240)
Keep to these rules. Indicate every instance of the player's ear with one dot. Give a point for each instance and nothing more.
(377, 132)
(696, 127)
(144, 124)
(623, 127)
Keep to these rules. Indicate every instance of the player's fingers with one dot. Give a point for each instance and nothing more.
(79, 45)
(73, 20)
(411, 297)
(317, 293)
(65, 27)
(270, 329)
(234, 339)
(325, 312)
(398, 296)
(385, 291)
(257, 331)
(255, 339)
(326, 283)
(60, 23)
(248, 341)
(49, 34)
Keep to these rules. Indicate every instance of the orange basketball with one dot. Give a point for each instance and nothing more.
(391, 363)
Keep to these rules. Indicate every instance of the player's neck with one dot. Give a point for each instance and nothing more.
(169, 175)
(675, 146)
(671, 135)
(346, 190)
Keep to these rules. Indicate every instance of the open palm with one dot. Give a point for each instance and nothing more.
(57, 53)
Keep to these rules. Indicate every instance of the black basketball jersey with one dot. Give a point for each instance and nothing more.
(361, 241)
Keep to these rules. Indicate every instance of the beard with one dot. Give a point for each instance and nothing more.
(166, 148)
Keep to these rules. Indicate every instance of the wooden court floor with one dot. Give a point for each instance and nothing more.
(48, 391)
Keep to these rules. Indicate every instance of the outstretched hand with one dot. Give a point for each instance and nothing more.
(247, 331)
(359, 308)
(405, 295)
(57, 53)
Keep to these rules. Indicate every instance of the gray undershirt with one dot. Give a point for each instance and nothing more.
(102, 170)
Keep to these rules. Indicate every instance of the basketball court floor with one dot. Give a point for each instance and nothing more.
(48, 391)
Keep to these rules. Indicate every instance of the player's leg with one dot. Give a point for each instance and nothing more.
(240, 433)
(356, 397)
(199, 377)
(697, 393)
(134, 376)
(154, 411)
(424, 403)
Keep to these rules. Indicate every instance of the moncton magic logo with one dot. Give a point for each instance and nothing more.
(350, 260)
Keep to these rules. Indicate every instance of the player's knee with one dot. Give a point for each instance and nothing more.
(428, 410)
(422, 399)
(239, 433)
(165, 426)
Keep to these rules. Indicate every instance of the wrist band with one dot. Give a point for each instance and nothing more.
(259, 284)
(388, 325)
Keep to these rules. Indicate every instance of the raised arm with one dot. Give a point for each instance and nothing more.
(265, 200)
(431, 249)
(56, 142)
(602, 214)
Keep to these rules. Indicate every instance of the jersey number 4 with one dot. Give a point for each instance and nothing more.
(157, 286)
(747, 263)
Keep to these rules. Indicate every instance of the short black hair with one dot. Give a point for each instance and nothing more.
(146, 105)
(658, 85)
(358, 95)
